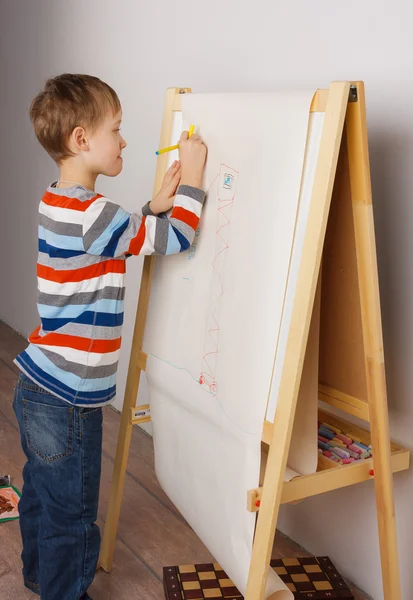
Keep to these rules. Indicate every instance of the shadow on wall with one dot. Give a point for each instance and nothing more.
(391, 175)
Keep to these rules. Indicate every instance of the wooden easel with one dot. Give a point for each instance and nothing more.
(341, 241)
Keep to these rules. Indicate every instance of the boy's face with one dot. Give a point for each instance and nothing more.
(105, 147)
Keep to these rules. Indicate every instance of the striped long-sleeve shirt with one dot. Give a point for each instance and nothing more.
(84, 240)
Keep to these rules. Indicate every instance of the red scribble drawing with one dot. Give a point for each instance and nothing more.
(225, 192)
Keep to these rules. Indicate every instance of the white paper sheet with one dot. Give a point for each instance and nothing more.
(215, 316)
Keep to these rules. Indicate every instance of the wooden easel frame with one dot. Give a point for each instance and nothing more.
(343, 166)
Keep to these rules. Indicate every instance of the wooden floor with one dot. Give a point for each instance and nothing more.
(152, 534)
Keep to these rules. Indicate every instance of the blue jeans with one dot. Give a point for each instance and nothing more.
(58, 507)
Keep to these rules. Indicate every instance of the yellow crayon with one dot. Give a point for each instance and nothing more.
(176, 146)
(168, 149)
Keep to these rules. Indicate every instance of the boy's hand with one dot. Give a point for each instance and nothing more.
(164, 199)
(192, 152)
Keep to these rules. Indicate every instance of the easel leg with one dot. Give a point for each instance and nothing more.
(116, 491)
(385, 502)
(356, 129)
(125, 431)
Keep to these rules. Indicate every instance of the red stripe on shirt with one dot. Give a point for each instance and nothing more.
(75, 342)
(137, 242)
(65, 202)
(82, 274)
(186, 216)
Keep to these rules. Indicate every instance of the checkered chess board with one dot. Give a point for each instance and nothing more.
(307, 578)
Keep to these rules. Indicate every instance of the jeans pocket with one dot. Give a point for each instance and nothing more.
(92, 420)
(48, 429)
(85, 412)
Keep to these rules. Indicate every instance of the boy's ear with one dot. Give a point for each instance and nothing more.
(79, 140)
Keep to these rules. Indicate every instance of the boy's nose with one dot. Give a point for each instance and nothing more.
(123, 144)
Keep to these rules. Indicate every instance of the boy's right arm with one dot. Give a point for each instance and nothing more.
(110, 231)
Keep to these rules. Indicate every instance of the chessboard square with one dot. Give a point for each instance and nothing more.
(281, 570)
(188, 577)
(217, 567)
(193, 595)
(224, 583)
(208, 584)
(276, 562)
(205, 567)
(216, 593)
(308, 561)
(291, 562)
(221, 574)
(291, 587)
(305, 586)
(191, 585)
(317, 576)
(300, 578)
(187, 568)
(295, 570)
(231, 591)
(312, 569)
(322, 585)
(206, 575)
(286, 578)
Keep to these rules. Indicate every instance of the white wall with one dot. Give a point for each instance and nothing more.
(141, 48)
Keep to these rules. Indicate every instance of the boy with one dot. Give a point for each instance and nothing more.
(68, 371)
